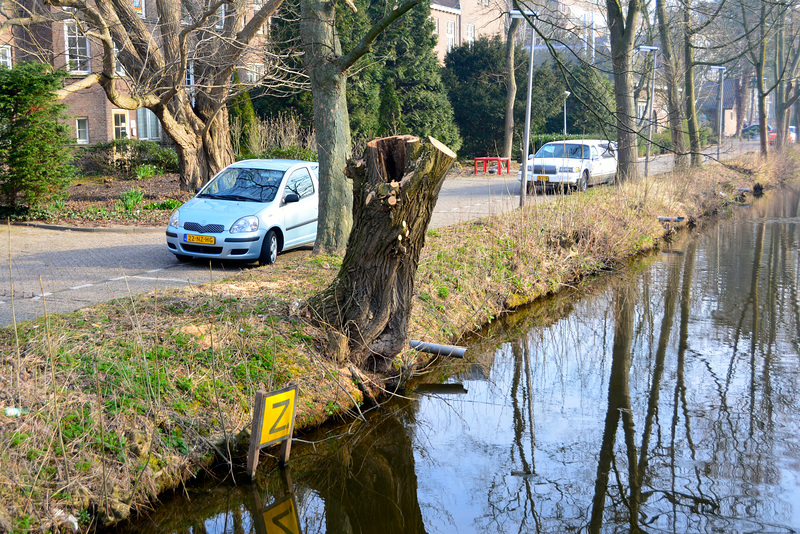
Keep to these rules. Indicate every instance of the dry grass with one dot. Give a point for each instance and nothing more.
(133, 397)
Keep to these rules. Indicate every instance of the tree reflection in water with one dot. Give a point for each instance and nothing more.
(663, 400)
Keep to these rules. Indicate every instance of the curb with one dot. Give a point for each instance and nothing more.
(102, 229)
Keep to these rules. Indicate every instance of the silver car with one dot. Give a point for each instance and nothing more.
(251, 210)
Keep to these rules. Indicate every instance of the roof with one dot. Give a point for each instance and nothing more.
(447, 4)
(708, 92)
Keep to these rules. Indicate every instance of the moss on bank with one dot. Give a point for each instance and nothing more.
(133, 397)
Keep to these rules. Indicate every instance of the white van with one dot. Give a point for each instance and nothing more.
(576, 163)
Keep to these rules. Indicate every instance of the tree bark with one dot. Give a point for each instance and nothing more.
(689, 92)
(511, 87)
(331, 123)
(742, 100)
(395, 189)
(622, 28)
(328, 67)
(673, 98)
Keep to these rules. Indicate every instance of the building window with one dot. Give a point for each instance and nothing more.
(120, 124)
(77, 49)
(5, 56)
(119, 69)
(82, 131)
(470, 33)
(451, 35)
(641, 109)
(220, 17)
(138, 6)
(254, 73)
(435, 25)
(149, 125)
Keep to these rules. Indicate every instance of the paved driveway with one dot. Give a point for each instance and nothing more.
(67, 270)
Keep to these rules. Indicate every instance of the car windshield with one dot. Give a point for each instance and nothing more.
(564, 150)
(250, 185)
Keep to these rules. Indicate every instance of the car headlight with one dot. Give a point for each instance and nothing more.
(569, 169)
(175, 219)
(245, 224)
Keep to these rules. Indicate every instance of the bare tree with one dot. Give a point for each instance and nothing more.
(178, 62)
(328, 67)
(511, 87)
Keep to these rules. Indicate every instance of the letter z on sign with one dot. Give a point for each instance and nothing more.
(278, 416)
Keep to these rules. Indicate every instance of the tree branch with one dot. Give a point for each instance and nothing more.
(347, 60)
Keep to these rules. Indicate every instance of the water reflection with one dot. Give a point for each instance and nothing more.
(663, 400)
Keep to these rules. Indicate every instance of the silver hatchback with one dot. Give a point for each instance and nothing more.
(251, 210)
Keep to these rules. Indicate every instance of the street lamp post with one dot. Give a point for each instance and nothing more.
(654, 49)
(721, 70)
(517, 14)
(566, 95)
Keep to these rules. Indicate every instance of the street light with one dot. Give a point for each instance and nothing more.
(654, 50)
(527, 15)
(721, 70)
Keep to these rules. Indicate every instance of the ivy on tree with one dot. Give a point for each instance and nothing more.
(35, 142)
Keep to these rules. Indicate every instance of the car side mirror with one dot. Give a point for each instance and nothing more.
(197, 190)
(291, 197)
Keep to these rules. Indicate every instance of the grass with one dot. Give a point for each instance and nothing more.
(133, 397)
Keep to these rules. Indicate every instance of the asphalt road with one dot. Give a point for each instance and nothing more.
(62, 271)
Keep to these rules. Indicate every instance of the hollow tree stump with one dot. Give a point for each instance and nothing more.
(395, 188)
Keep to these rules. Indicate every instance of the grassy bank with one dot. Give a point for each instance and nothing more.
(127, 399)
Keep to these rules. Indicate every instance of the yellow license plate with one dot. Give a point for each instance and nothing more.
(204, 239)
(543, 178)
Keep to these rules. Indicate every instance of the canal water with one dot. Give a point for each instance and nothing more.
(660, 399)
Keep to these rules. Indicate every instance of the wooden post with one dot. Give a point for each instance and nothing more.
(255, 434)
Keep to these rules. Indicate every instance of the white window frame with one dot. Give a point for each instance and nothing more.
(119, 67)
(435, 25)
(71, 31)
(82, 139)
(254, 72)
(451, 34)
(220, 24)
(149, 125)
(470, 33)
(5, 56)
(641, 110)
(124, 126)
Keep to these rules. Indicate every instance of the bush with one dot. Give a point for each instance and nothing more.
(131, 198)
(34, 141)
(122, 156)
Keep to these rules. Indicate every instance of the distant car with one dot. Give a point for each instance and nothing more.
(753, 131)
(577, 164)
(792, 134)
(251, 210)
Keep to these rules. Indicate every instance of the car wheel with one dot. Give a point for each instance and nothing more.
(183, 258)
(583, 182)
(269, 249)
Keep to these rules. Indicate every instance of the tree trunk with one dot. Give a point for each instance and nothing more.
(622, 28)
(511, 88)
(742, 100)
(673, 98)
(369, 303)
(689, 93)
(200, 156)
(331, 123)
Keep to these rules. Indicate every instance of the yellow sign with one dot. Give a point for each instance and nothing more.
(278, 420)
(281, 518)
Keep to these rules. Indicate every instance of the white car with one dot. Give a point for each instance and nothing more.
(250, 210)
(574, 164)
